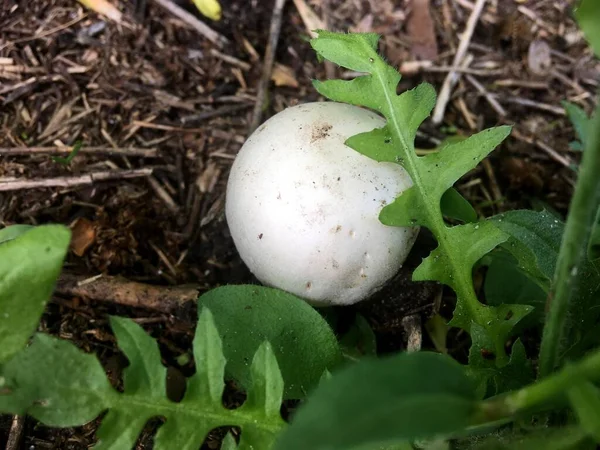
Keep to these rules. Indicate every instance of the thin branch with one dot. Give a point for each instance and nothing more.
(444, 97)
(166, 299)
(134, 151)
(16, 433)
(542, 146)
(490, 99)
(537, 105)
(210, 34)
(276, 19)
(16, 184)
(414, 334)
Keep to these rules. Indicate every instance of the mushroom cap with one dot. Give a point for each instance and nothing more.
(303, 208)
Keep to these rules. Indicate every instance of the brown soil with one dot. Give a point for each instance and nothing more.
(155, 84)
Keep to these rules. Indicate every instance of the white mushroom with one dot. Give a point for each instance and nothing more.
(303, 208)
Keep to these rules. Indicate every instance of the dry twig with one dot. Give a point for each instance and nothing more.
(134, 151)
(210, 34)
(267, 63)
(451, 78)
(412, 327)
(542, 146)
(490, 99)
(166, 299)
(16, 184)
(16, 432)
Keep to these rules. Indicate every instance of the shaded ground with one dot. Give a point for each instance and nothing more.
(151, 93)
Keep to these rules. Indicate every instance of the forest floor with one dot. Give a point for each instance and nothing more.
(161, 107)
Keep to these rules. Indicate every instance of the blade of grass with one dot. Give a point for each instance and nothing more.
(573, 250)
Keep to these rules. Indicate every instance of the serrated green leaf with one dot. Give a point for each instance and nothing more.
(444, 168)
(207, 382)
(75, 390)
(120, 428)
(303, 342)
(205, 387)
(455, 206)
(471, 241)
(585, 400)
(30, 263)
(264, 398)
(54, 382)
(375, 144)
(266, 392)
(432, 175)
(588, 17)
(495, 380)
(404, 211)
(144, 377)
(408, 396)
(497, 330)
(350, 51)
(145, 374)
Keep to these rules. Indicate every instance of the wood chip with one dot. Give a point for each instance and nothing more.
(83, 235)
(421, 31)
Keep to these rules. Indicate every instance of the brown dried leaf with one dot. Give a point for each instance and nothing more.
(283, 76)
(83, 235)
(421, 31)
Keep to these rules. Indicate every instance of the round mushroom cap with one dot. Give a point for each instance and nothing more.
(303, 208)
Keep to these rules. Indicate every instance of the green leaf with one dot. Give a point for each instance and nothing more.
(266, 394)
(144, 377)
(407, 396)
(585, 400)
(264, 399)
(455, 206)
(534, 241)
(13, 232)
(433, 175)
(303, 342)
(346, 51)
(29, 266)
(359, 341)
(493, 380)
(588, 16)
(205, 388)
(506, 283)
(56, 383)
(542, 438)
(579, 119)
(74, 390)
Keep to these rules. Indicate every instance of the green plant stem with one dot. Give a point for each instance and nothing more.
(536, 395)
(573, 250)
